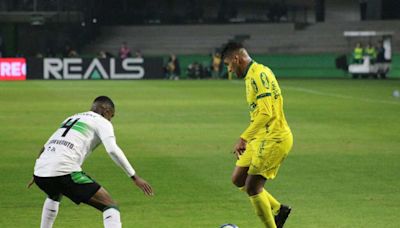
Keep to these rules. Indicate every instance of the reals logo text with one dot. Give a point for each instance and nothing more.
(77, 68)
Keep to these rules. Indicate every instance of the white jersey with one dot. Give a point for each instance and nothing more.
(72, 143)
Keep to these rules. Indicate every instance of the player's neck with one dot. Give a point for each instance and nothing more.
(96, 111)
(247, 61)
(246, 64)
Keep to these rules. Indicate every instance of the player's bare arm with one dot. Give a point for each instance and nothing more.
(143, 185)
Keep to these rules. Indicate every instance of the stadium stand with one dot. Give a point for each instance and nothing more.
(263, 38)
(189, 39)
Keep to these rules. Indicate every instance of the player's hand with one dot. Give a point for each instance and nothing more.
(142, 184)
(30, 183)
(239, 148)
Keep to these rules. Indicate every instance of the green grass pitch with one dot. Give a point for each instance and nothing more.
(342, 172)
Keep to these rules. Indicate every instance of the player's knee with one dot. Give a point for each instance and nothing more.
(252, 190)
(106, 199)
(239, 176)
(238, 182)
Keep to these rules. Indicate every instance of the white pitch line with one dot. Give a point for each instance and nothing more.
(339, 96)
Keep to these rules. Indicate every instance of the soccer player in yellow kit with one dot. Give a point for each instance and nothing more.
(266, 142)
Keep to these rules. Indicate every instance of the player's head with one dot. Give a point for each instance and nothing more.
(104, 106)
(235, 58)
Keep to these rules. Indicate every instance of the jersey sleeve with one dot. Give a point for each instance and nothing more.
(118, 156)
(263, 110)
(104, 130)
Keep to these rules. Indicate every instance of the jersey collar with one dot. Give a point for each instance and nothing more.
(247, 69)
(97, 114)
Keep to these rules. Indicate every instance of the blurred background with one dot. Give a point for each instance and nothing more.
(187, 34)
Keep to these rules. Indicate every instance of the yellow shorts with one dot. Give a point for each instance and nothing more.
(264, 156)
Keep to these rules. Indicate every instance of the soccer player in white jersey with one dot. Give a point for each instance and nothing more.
(58, 169)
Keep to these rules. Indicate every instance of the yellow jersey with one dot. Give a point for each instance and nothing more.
(265, 101)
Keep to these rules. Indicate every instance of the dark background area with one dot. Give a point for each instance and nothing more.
(47, 27)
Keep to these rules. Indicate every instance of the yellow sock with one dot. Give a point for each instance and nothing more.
(262, 207)
(243, 189)
(275, 205)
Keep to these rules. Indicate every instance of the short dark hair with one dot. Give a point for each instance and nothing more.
(229, 48)
(104, 100)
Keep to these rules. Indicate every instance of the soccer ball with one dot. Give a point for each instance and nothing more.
(229, 225)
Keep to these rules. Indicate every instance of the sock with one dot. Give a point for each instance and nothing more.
(275, 205)
(111, 218)
(49, 213)
(243, 189)
(262, 207)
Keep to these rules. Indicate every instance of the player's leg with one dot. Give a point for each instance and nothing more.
(266, 165)
(103, 202)
(50, 211)
(81, 188)
(239, 176)
(279, 211)
(239, 173)
(51, 204)
(283, 212)
(275, 204)
(259, 199)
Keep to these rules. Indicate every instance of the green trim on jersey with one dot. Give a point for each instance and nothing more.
(81, 127)
(263, 95)
(81, 178)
